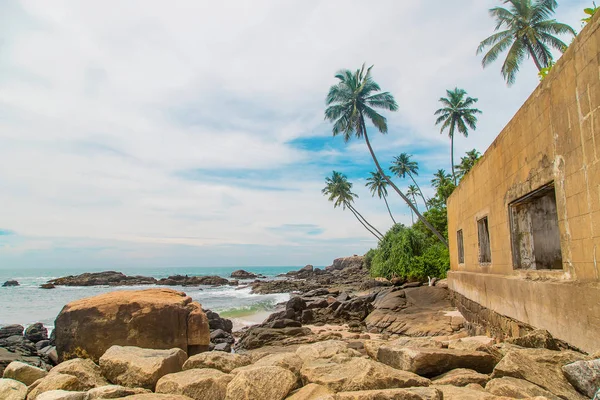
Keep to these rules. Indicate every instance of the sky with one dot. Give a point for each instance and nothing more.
(191, 133)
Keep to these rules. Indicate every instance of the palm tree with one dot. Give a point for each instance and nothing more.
(412, 192)
(528, 31)
(457, 114)
(403, 166)
(441, 178)
(467, 162)
(354, 99)
(377, 185)
(340, 193)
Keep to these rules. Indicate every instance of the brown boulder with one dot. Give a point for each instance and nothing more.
(312, 391)
(152, 318)
(24, 372)
(431, 362)
(461, 377)
(199, 384)
(113, 392)
(225, 362)
(12, 390)
(416, 393)
(273, 383)
(517, 388)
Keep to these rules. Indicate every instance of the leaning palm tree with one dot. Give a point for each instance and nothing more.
(527, 31)
(340, 193)
(457, 114)
(403, 166)
(441, 178)
(350, 103)
(412, 192)
(378, 186)
(467, 162)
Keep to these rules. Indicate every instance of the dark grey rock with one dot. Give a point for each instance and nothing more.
(42, 343)
(36, 332)
(226, 347)
(11, 330)
(10, 283)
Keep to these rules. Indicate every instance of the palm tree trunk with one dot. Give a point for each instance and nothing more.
(532, 54)
(452, 157)
(363, 224)
(411, 205)
(420, 191)
(364, 219)
(388, 207)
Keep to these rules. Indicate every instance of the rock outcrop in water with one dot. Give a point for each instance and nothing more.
(113, 278)
(10, 283)
(151, 318)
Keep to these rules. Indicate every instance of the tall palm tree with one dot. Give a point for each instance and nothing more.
(441, 178)
(467, 162)
(456, 114)
(402, 166)
(353, 100)
(527, 31)
(412, 192)
(340, 193)
(377, 185)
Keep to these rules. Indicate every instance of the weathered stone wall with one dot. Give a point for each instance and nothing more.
(553, 138)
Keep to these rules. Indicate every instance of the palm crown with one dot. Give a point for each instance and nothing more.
(403, 166)
(354, 97)
(377, 184)
(339, 190)
(528, 31)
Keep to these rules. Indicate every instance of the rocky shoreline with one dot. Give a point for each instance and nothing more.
(342, 335)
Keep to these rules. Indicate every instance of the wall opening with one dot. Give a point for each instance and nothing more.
(534, 230)
(483, 236)
(461, 247)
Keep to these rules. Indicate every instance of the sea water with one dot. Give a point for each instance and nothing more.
(27, 304)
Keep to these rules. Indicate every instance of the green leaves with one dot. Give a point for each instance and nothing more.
(591, 12)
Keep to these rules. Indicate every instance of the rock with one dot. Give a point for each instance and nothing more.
(196, 281)
(7, 356)
(113, 392)
(221, 336)
(216, 322)
(135, 367)
(12, 390)
(47, 286)
(418, 393)
(346, 262)
(199, 384)
(317, 292)
(542, 367)
(538, 339)
(461, 377)
(289, 361)
(156, 396)
(433, 362)
(61, 395)
(420, 311)
(55, 382)
(273, 383)
(224, 347)
(11, 330)
(584, 376)
(50, 352)
(354, 373)
(106, 278)
(411, 285)
(517, 388)
(241, 274)
(312, 391)
(36, 332)
(465, 393)
(474, 343)
(42, 343)
(260, 336)
(326, 349)
(151, 318)
(10, 283)
(296, 304)
(225, 362)
(87, 373)
(442, 283)
(24, 373)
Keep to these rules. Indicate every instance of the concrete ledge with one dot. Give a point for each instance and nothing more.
(569, 310)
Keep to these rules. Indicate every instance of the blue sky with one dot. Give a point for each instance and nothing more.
(142, 134)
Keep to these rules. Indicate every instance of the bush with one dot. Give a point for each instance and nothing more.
(409, 253)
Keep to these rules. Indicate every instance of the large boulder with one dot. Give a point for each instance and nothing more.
(346, 262)
(289, 361)
(345, 374)
(24, 373)
(584, 375)
(465, 393)
(136, 367)
(152, 318)
(61, 395)
(199, 384)
(417, 393)
(432, 362)
(542, 367)
(12, 390)
(263, 335)
(10, 283)
(11, 330)
(55, 382)
(113, 392)
(517, 388)
(87, 373)
(241, 274)
(224, 362)
(461, 377)
(537, 339)
(312, 391)
(326, 349)
(156, 396)
(36, 332)
(273, 383)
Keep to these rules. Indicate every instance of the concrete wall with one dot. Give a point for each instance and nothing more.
(554, 137)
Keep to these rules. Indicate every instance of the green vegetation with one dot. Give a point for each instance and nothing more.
(528, 32)
(350, 103)
(591, 12)
(377, 184)
(466, 163)
(340, 193)
(457, 114)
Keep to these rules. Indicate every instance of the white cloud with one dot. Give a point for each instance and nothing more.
(105, 106)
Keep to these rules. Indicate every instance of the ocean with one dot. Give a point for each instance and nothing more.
(27, 304)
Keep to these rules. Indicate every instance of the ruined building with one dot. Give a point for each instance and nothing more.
(524, 224)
